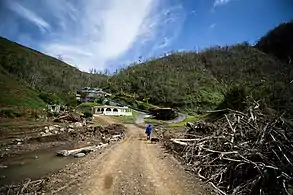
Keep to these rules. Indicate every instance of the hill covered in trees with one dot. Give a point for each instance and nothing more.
(199, 81)
(46, 75)
(278, 42)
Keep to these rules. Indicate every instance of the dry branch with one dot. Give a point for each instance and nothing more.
(244, 152)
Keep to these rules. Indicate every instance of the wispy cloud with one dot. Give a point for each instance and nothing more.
(96, 33)
(29, 15)
(221, 2)
(164, 43)
(212, 26)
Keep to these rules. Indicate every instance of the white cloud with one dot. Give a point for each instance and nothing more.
(97, 33)
(106, 32)
(109, 31)
(220, 2)
(29, 15)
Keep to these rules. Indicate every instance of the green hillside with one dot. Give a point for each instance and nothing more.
(195, 81)
(41, 72)
(278, 42)
(171, 81)
(15, 94)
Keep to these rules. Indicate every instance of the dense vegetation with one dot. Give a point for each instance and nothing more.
(14, 93)
(170, 81)
(43, 73)
(195, 81)
(279, 42)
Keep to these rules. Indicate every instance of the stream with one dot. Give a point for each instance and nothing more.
(33, 165)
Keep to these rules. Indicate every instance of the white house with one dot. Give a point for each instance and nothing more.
(112, 110)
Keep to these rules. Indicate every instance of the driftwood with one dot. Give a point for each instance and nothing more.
(241, 153)
(179, 142)
(184, 140)
(89, 149)
(85, 150)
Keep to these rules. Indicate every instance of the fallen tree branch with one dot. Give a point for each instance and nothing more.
(240, 152)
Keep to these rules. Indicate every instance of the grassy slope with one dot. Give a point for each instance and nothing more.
(42, 72)
(15, 94)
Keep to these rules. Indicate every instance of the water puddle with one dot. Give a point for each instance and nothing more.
(33, 165)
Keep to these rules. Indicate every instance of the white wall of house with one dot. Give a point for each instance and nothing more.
(113, 111)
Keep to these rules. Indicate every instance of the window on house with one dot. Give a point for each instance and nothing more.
(102, 110)
(108, 110)
(115, 110)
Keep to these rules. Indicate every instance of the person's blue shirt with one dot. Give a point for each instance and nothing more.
(148, 129)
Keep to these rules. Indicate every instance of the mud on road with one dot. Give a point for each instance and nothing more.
(135, 166)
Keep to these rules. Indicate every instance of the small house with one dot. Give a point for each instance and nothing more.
(88, 94)
(112, 110)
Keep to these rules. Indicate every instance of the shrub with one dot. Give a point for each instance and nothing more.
(87, 114)
(234, 98)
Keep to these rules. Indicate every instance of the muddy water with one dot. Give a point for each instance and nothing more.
(33, 165)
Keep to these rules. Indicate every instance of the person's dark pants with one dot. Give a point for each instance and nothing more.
(148, 136)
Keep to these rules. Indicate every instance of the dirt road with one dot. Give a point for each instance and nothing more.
(135, 166)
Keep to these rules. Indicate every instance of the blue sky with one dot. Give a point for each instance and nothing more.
(111, 34)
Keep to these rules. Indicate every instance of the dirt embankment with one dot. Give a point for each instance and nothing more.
(80, 137)
(73, 137)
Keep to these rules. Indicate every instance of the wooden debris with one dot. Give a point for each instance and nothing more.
(241, 153)
(84, 150)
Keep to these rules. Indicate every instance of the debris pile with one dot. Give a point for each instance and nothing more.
(66, 134)
(59, 129)
(68, 117)
(107, 135)
(241, 153)
(113, 129)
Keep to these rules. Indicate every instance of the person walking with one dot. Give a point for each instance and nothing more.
(148, 131)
